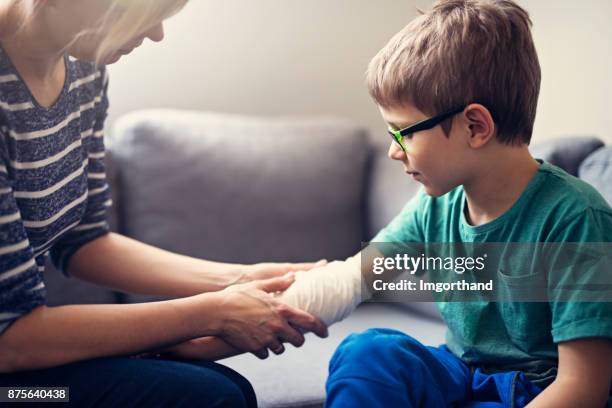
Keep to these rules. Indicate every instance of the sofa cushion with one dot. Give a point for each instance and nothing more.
(72, 291)
(597, 170)
(241, 189)
(567, 152)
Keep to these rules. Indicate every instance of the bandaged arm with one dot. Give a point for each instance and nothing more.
(331, 292)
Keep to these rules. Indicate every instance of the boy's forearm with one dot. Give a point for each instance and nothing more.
(569, 394)
(48, 337)
(124, 264)
(367, 256)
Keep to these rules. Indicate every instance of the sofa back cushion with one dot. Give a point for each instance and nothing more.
(567, 152)
(390, 188)
(597, 170)
(241, 189)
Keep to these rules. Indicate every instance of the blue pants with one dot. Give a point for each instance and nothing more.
(387, 368)
(140, 382)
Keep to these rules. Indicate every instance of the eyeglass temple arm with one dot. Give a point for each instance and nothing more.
(428, 123)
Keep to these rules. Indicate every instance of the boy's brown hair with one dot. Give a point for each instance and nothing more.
(462, 52)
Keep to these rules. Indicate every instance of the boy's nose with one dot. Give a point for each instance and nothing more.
(156, 33)
(396, 153)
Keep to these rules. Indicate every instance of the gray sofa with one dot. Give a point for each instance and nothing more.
(245, 189)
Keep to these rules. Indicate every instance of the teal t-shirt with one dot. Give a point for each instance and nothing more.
(555, 207)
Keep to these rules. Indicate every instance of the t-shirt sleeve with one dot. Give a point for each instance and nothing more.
(21, 284)
(94, 223)
(583, 306)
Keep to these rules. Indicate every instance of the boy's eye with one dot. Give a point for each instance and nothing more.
(408, 136)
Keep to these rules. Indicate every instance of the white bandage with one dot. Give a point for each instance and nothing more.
(330, 293)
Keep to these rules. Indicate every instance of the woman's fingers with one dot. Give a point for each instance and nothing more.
(261, 353)
(305, 266)
(278, 284)
(276, 347)
(303, 320)
(292, 335)
(279, 322)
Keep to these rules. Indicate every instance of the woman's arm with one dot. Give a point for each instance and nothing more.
(203, 348)
(584, 376)
(51, 336)
(124, 264)
(245, 316)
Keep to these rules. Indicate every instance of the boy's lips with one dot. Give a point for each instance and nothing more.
(413, 174)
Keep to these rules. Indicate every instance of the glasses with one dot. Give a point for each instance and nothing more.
(398, 135)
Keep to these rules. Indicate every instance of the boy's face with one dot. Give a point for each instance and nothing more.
(437, 161)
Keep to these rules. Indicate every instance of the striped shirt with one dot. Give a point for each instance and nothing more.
(53, 189)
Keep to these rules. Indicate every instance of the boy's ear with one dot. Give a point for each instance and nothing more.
(480, 124)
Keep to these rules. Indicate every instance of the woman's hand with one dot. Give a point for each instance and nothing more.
(269, 270)
(251, 319)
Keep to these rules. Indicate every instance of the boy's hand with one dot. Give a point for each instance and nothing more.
(272, 270)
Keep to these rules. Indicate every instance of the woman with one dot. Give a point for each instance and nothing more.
(53, 199)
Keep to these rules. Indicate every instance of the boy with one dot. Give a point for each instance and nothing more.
(470, 70)
(470, 66)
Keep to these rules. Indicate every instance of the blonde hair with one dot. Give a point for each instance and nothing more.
(124, 20)
(462, 52)
(136, 16)
(14, 15)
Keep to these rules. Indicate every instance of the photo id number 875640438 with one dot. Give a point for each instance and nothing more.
(34, 394)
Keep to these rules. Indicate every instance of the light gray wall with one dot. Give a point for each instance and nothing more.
(309, 57)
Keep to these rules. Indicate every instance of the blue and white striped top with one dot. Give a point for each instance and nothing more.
(53, 189)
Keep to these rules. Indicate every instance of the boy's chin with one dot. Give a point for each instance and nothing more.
(435, 191)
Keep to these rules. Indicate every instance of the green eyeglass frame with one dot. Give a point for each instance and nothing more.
(398, 135)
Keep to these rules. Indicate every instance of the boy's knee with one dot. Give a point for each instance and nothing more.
(386, 362)
(376, 347)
